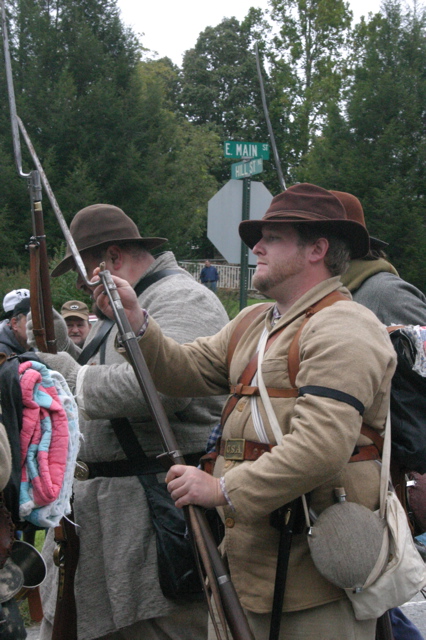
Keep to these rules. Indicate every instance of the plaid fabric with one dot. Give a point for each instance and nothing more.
(215, 434)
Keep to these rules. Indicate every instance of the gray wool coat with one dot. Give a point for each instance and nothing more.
(392, 299)
(376, 285)
(116, 582)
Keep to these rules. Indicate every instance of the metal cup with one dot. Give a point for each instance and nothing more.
(11, 580)
(32, 565)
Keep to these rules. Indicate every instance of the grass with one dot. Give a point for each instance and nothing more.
(230, 298)
(23, 604)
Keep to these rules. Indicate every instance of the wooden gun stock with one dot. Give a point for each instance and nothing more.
(66, 559)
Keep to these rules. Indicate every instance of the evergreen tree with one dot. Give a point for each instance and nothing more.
(177, 166)
(308, 66)
(103, 130)
(376, 147)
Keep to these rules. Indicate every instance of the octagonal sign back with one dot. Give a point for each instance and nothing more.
(225, 215)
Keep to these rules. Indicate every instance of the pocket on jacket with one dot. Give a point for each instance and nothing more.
(275, 372)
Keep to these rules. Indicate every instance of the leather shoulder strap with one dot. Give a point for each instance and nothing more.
(294, 360)
(242, 326)
(394, 327)
(93, 346)
(293, 352)
(154, 277)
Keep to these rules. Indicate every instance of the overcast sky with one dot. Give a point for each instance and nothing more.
(171, 27)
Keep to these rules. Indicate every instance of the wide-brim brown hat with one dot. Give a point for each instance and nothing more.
(308, 204)
(354, 211)
(101, 225)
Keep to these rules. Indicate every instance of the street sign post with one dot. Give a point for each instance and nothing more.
(241, 170)
(244, 247)
(253, 154)
(236, 150)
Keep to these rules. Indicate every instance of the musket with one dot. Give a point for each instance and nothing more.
(196, 519)
(41, 302)
(66, 553)
(206, 549)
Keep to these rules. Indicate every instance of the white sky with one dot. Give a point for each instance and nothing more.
(170, 27)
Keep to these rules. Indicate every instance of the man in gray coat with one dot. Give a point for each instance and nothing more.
(374, 282)
(117, 590)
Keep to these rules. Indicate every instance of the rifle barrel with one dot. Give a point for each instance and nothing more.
(11, 94)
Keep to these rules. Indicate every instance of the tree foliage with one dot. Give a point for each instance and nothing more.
(347, 106)
(104, 125)
(308, 63)
(375, 147)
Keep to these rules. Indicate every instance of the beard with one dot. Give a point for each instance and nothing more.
(278, 274)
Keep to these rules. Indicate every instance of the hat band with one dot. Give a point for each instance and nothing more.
(303, 216)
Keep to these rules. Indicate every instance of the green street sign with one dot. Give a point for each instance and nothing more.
(237, 150)
(241, 170)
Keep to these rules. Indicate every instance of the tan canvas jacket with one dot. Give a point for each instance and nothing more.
(342, 347)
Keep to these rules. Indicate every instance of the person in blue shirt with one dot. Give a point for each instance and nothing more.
(209, 276)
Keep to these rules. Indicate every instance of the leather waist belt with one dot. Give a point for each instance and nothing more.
(124, 468)
(239, 449)
(367, 452)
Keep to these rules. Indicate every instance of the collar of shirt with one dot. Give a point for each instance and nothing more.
(276, 315)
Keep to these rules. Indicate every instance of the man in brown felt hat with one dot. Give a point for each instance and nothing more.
(116, 586)
(303, 244)
(374, 282)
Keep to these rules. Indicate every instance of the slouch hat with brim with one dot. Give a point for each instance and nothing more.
(101, 225)
(314, 206)
(354, 211)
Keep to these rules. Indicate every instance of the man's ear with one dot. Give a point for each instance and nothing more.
(114, 256)
(319, 250)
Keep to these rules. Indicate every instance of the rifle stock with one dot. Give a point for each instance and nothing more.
(66, 559)
(41, 298)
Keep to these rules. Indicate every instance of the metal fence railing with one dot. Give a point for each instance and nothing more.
(229, 276)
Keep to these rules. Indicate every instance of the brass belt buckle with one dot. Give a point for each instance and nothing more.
(81, 471)
(234, 449)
